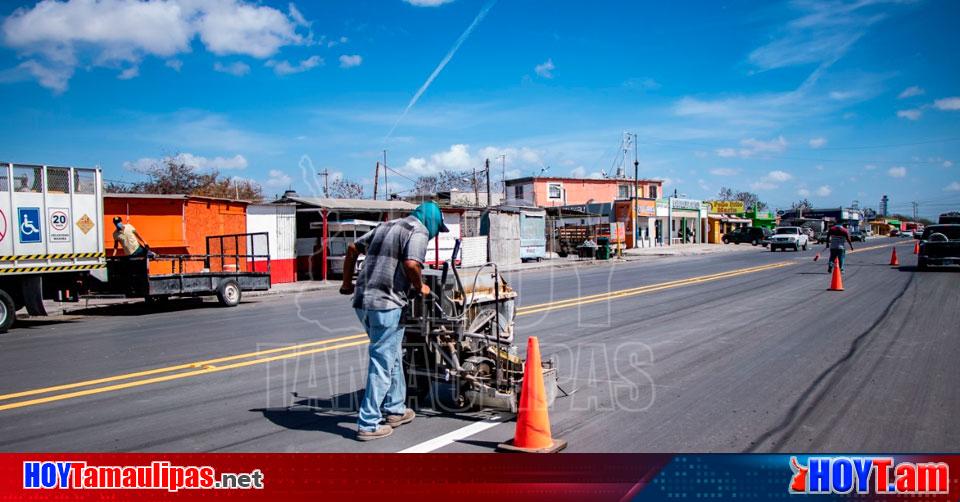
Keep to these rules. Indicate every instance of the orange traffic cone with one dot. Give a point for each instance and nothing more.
(533, 425)
(916, 247)
(836, 283)
(894, 261)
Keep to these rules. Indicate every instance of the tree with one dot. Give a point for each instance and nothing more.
(342, 188)
(749, 199)
(172, 175)
(445, 181)
(803, 203)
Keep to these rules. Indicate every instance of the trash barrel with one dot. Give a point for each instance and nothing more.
(603, 248)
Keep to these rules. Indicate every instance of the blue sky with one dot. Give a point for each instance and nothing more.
(833, 101)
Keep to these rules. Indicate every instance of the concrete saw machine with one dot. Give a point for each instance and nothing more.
(458, 345)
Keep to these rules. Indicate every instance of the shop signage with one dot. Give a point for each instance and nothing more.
(693, 205)
(727, 206)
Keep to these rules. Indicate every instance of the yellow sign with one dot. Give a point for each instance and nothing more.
(85, 224)
(727, 206)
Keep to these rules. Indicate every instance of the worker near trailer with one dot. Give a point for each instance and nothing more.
(395, 251)
(127, 237)
(837, 239)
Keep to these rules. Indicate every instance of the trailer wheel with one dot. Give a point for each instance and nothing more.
(8, 311)
(229, 293)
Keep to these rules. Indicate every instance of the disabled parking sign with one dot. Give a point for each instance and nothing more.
(28, 222)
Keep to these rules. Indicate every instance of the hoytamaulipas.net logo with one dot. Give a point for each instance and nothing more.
(159, 475)
(868, 475)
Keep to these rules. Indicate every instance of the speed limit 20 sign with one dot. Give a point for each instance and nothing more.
(58, 224)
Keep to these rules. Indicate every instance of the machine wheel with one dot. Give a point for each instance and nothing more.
(755, 242)
(8, 311)
(725, 240)
(229, 293)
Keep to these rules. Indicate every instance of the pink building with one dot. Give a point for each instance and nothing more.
(551, 191)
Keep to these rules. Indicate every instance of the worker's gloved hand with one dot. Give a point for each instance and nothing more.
(347, 289)
(424, 290)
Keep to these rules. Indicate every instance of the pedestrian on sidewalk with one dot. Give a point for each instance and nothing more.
(395, 251)
(837, 238)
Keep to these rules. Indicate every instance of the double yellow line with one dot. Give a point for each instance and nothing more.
(209, 366)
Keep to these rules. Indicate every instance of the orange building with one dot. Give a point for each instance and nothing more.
(556, 191)
(175, 224)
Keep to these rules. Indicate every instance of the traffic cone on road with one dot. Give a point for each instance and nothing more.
(916, 247)
(836, 282)
(533, 423)
(894, 261)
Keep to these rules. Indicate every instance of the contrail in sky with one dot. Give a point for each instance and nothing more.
(443, 62)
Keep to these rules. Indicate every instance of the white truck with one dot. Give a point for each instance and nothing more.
(788, 237)
(51, 235)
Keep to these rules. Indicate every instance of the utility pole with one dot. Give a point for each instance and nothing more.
(916, 206)
(503, 174)
(476, 189)
(487, 169)
(376, 179)
(635, 213)
(386, 184)
(326, 182)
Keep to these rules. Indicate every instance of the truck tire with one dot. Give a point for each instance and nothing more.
(229, 293)
(8, 311)
(725, 240)
(755, 242)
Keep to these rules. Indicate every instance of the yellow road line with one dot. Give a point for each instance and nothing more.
(166, 378)
(208, 366)
(168, 369)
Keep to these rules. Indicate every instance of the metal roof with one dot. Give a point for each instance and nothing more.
(170, 196)
(358, 205)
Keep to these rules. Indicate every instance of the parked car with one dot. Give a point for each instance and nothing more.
(857, 236)
(753, 235)
(940, 245)
(788, 237)
(894, 232)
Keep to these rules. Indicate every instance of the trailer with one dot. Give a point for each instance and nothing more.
(51, 235)
(231, 265)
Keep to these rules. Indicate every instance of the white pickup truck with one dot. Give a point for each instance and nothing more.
(788, 237)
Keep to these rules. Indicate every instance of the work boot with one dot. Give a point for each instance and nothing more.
(398, 420)
(381, 432)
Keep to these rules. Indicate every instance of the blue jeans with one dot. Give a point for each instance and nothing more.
(386, 387)
(839, 254)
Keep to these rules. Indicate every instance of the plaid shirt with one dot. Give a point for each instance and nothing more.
(382, 284)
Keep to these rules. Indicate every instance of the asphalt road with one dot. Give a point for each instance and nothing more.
(729, 352)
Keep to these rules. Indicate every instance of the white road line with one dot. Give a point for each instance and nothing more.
(448, 438)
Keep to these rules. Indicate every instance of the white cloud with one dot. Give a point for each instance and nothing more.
(237, 68)
(285, 68)
(724, 171)
(459, 158)
(578, 172)
(779, 176)
(869, 167)
(951, 104)
(911, 91)
(897, 172)
(220, 163)
(55, 38)
(349, 61)
(803, 192)
(427, 3)
(175, 64)
(818, 142)
(952, 187)
(948, 163)
(643, 84)
(278, 179)
(843, 95)
(545, 69)
(912, 114)
(129, 73)
(824, 191)
(763, 185)
(752, 146)
(703, 185)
